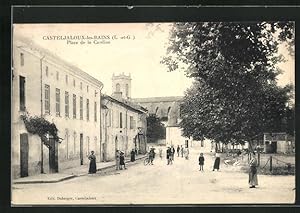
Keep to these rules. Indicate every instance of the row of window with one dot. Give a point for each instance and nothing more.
(57, 75)
(67, 104)
(58, 102)
(132, 122)
(120, 121)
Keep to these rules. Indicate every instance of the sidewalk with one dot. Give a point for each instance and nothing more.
(69, 173)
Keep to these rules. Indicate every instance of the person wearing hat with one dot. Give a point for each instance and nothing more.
(122, 161)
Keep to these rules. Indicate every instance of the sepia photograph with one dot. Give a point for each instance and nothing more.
(153, 113)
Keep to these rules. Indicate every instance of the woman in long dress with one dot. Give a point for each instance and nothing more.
(92, 158)
(217, 162)
(253, 172)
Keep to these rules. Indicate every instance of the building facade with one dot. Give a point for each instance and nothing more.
(124, 123)
(44, 85)
(168, 110)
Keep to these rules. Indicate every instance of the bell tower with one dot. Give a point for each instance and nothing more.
(121, 86)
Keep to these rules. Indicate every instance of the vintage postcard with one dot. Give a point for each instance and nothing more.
(153, 113)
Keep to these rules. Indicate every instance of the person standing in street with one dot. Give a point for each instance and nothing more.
(173, 152)
(117, 159)
(217, 162)
(169, 156)
(122, 161)
(253, 172)
(181, 151)
(132, 155)
(93, 167)
(201, 162)
(178, 150)
(186, 153)
(160, 153)
(151, 155)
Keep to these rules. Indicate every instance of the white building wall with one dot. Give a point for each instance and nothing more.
(69, 128)
(117, 137)
(174, 136)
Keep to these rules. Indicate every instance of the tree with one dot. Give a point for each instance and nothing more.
(155, 129)
(235, 95)
(41, 127)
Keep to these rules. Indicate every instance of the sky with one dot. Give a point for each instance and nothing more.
(139, 54)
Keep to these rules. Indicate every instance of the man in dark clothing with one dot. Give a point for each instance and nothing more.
(132, 155)
(169, 156)
(122, 161)
(151, 155)
(172, 152)
(178, 150)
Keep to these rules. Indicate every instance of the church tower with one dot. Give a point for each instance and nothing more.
(121, 86)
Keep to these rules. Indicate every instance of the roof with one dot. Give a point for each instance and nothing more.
(158, 99)
(126, 103)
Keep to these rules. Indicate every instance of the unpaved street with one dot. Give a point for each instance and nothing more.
(180, 183)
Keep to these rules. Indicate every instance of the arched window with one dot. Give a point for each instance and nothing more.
(169, 109)
(118, 89)
(74, 142)
(127, 90)
(95, 145)
(67, 142)
(156, 110)
(88, 144)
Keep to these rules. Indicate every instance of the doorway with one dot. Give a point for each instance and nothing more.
(81, 149)
(274, 146)
(186, 144)
(24, 149)
(53, 156)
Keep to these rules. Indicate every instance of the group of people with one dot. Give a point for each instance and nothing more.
(216, 165)
(183, 152)
(253, 164)
(180, 151)
(120, 160)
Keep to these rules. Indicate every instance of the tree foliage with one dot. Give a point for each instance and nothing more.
(235, 95)
(155, 129)
(40, 126)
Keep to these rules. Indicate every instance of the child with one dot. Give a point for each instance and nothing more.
(201, 161)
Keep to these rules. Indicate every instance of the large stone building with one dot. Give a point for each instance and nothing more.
(124, 123)
(168, 110)
(44, 85)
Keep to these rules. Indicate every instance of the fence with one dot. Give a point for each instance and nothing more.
(276, 164)
(269, 164)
